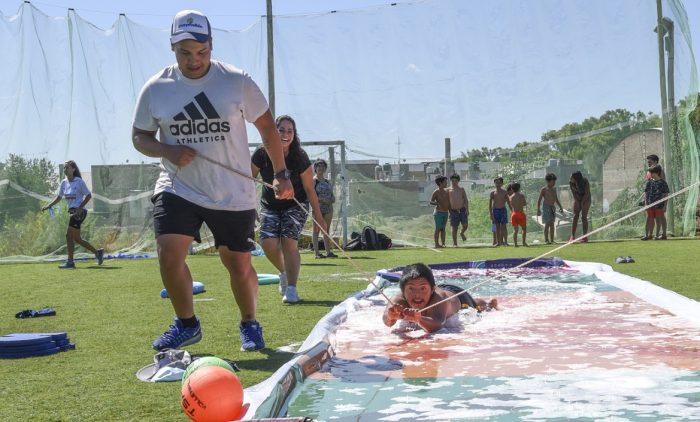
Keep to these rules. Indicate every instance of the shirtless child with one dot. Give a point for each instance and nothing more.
(459, 208)
(548, 195)
(497, 210)
(517, 216)
(441, 200)
(418, 291)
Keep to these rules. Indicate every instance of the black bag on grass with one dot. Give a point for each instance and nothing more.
(354, 244)
(384, 241)
(370, 239)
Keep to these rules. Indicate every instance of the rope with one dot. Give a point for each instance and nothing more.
(564, 245)
(308, 213)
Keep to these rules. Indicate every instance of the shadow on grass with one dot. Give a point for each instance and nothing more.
(271, 361)
(101, 268)
(318, 264)
(305, 302)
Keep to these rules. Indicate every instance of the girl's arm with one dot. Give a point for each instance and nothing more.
(54, 202)
(307, 180)
(254, 170)
(87, 199)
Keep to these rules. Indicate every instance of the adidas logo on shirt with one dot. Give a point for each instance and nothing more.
(201, 119)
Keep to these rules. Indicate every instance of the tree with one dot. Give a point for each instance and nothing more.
(694, 116)
(35, 175)
(590, 140)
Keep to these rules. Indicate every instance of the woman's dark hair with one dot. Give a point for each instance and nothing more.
(319, 162)
(295, 147)
(413, 271)
(76, 172)
(580, 182)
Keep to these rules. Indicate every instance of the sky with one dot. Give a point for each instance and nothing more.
(236, 14)
(243, 13)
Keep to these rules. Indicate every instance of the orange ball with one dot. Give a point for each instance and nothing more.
(212, 394)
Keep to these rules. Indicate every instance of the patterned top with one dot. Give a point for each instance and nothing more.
(655, 190)
(324, 190)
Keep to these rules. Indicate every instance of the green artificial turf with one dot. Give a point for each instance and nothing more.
(112, 313)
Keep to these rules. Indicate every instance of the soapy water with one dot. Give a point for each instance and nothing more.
(564, 346)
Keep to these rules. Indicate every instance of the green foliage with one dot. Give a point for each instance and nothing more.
(36, 174)
(694, 115)
(36, 234)
(568, 143)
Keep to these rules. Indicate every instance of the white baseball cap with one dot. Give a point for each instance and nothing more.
(190, 25)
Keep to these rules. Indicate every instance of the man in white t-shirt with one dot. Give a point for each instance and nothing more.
(198, 107)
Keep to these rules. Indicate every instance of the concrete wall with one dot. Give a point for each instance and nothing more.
(622, 168)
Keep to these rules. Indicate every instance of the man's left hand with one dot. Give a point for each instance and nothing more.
(283, 189)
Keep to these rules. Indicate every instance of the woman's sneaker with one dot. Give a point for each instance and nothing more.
(178, 336)
(283, 283)
(67, 264)
(291, 296)
(251, 336)
(100, 256)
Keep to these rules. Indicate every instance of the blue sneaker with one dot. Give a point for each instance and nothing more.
(251, 336)
(178, 336)
(100, 256)
(67, 264)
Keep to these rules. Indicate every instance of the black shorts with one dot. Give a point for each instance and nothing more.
(465, 298)
(175, 215)
(76, 218)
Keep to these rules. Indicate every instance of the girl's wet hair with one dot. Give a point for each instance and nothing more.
(578, 179)
(413, 271)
